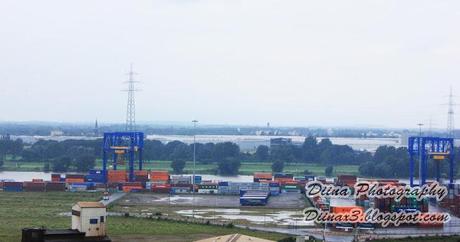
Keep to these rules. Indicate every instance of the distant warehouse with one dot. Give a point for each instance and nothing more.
(277, 142)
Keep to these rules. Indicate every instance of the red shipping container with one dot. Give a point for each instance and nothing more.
(56, 177)
(74, 180)
(54, 186)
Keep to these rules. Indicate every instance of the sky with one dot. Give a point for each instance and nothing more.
(383, 63)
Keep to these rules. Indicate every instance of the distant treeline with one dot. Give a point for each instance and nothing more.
(81, 155)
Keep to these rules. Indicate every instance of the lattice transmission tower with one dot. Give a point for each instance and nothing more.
(131, 105)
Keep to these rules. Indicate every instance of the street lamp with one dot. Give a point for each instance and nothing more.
(420, 153)
(194, 166)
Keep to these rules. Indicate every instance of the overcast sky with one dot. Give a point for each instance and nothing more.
(328, 63)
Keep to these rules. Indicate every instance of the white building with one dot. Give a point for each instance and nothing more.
(90, 217)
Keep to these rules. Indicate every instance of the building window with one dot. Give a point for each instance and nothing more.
(93, 221)
(102, 219)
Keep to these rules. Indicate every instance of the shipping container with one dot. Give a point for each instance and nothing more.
(262, 176)
(75, 176)
(179, 190)
(208, 188)
(54, 186)
(34, 186)
(165, 188)
(115, 176)
(159, 176)
(12, 186)
(56, 177)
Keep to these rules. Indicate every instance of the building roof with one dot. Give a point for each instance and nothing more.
(90, 205)
(234, 238)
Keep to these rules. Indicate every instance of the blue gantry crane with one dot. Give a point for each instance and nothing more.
(435, 148)
(122, 143)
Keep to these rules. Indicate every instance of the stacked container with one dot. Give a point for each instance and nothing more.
(95, 176)
(161, 188)
(141, 176)
(346, 180)
(262, 176)
(181, 184)
(12, 186)
(208, 188)
(309, 178)
(181, 180)
(283, 177)
(274, 188)
(54, 186)
(290, 187)
(116, 176)
(132, 187)
(81, 186)
(74, 178)
(198, 179)
(181, 188)
(34, 186)
(56, 177)
(223, 188)
(159, 177)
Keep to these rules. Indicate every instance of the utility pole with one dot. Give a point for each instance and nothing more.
(131, 105)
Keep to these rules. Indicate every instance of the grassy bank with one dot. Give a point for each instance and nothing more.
(29, 209)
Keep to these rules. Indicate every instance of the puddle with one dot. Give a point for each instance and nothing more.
(287, 218)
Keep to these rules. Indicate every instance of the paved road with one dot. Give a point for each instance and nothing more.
(113, 197)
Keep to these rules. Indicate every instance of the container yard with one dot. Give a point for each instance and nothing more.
(269, 199)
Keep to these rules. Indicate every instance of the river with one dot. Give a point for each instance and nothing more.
(246, 142)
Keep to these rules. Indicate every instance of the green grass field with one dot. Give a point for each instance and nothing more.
(10, 165)
(36, 209)
(247, 168)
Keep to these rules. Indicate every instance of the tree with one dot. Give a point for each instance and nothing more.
(229, 166)
(225, 150)
(384, 170)
(262, 153)
(278, 166)
(85, 163)
(46, 167)
(181, 152)
(62, 164)
(204, 152)
(366, 169)
(178, 166)
(310, 149)
(154, 150)
(328, 171)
